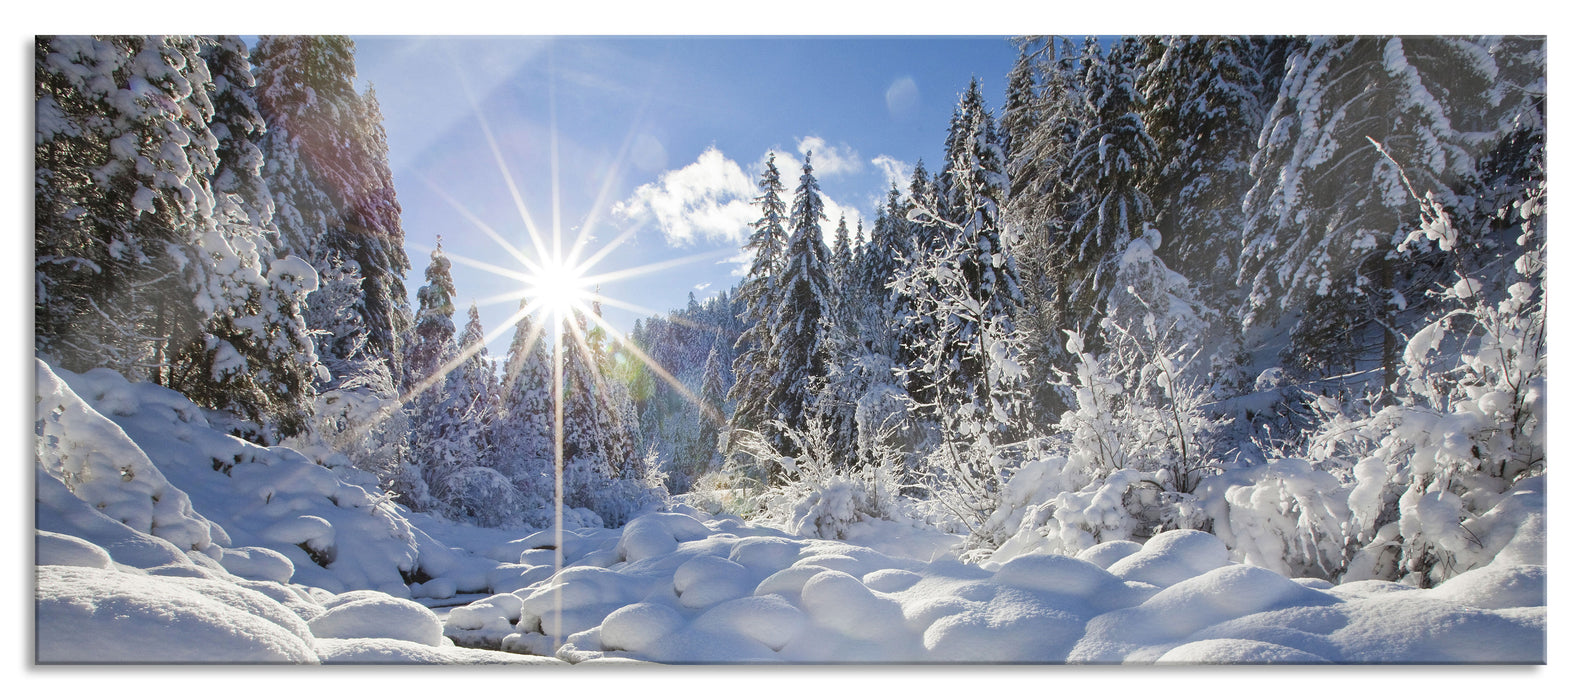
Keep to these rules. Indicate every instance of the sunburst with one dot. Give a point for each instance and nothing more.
(559, 283)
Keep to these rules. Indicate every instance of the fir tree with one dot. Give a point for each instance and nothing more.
(442, 436)
(329, 171)
(1107, 170)
(1327, 211)
(798, 345)
(966, 351)
(757, 295)
(523, 439)
(121, 197)
(1205, 102)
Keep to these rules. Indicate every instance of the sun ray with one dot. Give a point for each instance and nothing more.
(651, 267)
(502, 297)
(619, 304)
(653, 365)
(554, 161)
(611, 176)
(499, 160)
(518, 275)
(482, 226)
(608, 248)
(559, 383)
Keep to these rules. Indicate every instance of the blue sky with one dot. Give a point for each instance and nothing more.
(662, 137)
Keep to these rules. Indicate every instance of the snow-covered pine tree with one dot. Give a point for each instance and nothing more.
(600, 460)
(922, 239)
(966, 352)
(714, 409)
(1018, 122)
(144, 262)
(523, 436)
(804, 304)
(123, 154)
(1039, 205)
(1326, 213)
(257, 359)
(441, 435)
(886, 248)
(327, 166)
(474, 383)
(1204, 100)
(238, 126)
(757, 296)
(1038, 161)
(1106, 173)
(840, 262)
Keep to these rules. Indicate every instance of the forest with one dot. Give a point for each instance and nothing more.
(1287, 292)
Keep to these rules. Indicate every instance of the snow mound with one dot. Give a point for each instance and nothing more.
(130, 467)
(1495, 588)
(768, 620)
(258, 564)
(1106, 554)
(484, 623)
(65, 550)
(1143, 632)
(1237, 651)
(1172, 557)
(705, 581)
(86, 615)
(389, 651)
(382, 616)
(838, 601)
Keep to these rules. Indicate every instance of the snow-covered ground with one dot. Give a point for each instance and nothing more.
(160, 539)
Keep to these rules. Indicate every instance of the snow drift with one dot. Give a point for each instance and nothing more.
(161, 539)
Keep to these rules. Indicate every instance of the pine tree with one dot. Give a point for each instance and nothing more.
(1019, 122)
(798, 343)
(712, 412)
(523, 440)
(1205, 102)
(1328, 214)
(599, 454)
(1107, 170)
(757, 295)
(474, 382)
(966, 351)
(123, 154)
(328, 169)
(256, 358)
(840, 255)
(441, 434)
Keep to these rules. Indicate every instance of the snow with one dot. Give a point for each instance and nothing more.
(380, 616)
(91, 615)
(230, 582)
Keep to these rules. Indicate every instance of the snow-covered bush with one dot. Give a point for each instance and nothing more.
(1412, 488)
(1462, 435)
(359, 424)
(480, 495)
(1138, 441)
(821, 496)
(1292, 519)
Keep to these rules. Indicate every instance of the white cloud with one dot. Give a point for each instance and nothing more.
(830, 160)
(895, 171)
(702, 285)
(834, 210)
(743, 259)
(710, 199)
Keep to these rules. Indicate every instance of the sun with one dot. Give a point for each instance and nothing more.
(558, 288)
